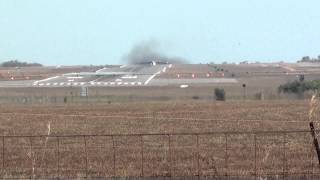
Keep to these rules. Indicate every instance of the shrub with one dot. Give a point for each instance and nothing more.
(195, 97)
(299, 87)
(220, 94)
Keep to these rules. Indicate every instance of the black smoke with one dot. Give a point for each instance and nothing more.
(148, 51)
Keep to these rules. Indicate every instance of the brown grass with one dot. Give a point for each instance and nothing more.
(246, 154)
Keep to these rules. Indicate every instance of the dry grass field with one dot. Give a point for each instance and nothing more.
(155, 117)
(162, 132)
(248, 139)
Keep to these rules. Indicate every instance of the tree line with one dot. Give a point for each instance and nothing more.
(309, 59)
(299, 87)
(16, 63)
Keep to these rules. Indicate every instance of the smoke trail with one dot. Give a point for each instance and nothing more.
(148, 51)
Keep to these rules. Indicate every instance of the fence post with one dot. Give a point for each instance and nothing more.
(255, 156)
(142, 157)
(315, 140)
(226, 154)
(312, 165)
(31, 158)
(3, 159)
(86, 154)
(114, 157)
(284, 156)
(170, 156)
(58, 158)
(198, 156)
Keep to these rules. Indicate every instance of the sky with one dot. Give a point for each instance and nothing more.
(74, 32)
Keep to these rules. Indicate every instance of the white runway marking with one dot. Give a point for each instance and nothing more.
(126, 83)
(101, 69)
(288, 68)
(61, 84)
(93, 81)
(123, 66)
(55, 84)
(119, 83)
(77, 77)
(82, 83)
(164, 69)
(129, 77)
(151, 77)
(36, 82)
(112, 83)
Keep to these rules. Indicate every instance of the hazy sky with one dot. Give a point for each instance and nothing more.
(56, 32)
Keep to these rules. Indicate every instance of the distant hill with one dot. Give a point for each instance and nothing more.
(16, 63)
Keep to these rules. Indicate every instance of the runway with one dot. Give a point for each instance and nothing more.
(126, 75)
(139, 75)
(6, 84)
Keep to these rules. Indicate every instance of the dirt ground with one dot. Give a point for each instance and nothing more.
(155, 117)
(158, 139)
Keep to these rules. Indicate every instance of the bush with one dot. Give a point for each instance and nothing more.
(220, 94)
(195, 97)
(299, 87)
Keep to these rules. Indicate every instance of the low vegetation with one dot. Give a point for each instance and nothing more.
(217, 155)
(299, 87)
(307, 59)
(16, 63)
(220, 94)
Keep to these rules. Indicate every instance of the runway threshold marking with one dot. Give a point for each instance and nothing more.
(91, 83)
